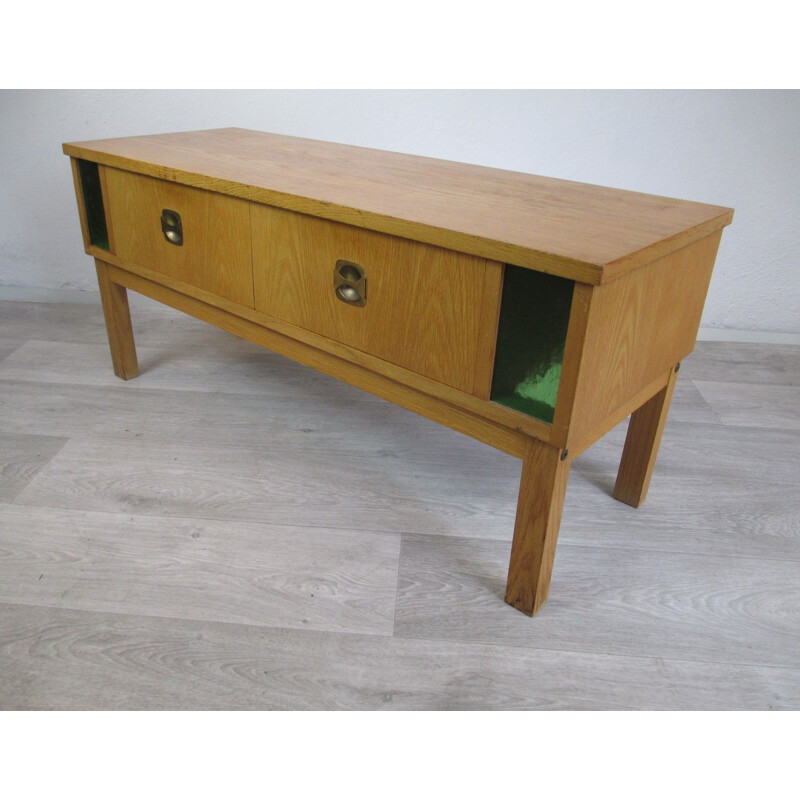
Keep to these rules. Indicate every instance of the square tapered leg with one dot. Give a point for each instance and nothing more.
(641, 446)
(545, 470)
(118, 324)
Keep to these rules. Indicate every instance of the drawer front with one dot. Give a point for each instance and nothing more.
(215, 254)
(423, 303)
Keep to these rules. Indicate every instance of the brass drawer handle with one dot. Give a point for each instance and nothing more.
(349, 294)
(350, 283)
(172, 227)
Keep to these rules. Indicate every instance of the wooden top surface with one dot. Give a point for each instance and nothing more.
(580, 231)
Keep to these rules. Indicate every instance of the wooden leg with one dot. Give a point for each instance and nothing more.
(118, 324)
(541, 500)
(641, 446)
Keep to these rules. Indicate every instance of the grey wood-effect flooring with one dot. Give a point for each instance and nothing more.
(233, 531)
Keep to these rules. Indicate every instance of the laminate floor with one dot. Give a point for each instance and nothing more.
(234, 531)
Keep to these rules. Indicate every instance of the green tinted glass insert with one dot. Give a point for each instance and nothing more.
(534, 315)
(93, 203)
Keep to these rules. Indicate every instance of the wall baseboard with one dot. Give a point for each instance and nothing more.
(35, 295)
(747, 337)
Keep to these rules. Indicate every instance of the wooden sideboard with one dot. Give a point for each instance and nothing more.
(530, 313)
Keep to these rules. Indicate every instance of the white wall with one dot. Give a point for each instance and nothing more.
(738, 149)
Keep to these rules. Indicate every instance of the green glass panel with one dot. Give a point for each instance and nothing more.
(534, 316)
(93, 203)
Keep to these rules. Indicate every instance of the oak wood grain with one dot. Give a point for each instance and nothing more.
(637, 330)
(423, 303)
(573, 364)
(103, 173)
(76, 180)
(580, 231)
(645, 430)
(216, 250)
(543, 486)
(487, 329)
(114, 299)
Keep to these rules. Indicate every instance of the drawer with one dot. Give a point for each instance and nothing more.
(423, 303)
(215, 253)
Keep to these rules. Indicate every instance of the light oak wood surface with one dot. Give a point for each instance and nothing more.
(76, 179)
(423, 303)
(638, 329)
(215, 254)
(645, 429)
(116, 311)
(691, 602)
(543, 486)
(588, 233)
(487, 330)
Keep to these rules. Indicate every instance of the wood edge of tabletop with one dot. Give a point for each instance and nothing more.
(553, 263)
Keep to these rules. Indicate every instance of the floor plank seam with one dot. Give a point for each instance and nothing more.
(219, 520)
(11, 500)
(749, 384)
(254, 626)
(256, 448)
(594, 546)
(445, 537)
(482, 643)
(498, 647)
(707, 405)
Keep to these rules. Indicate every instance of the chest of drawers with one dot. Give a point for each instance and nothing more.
(530, 313)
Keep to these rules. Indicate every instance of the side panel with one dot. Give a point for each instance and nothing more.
(638, 328)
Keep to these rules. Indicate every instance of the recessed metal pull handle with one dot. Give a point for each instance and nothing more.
(350, 283)
(349, 294)
(171, 226)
